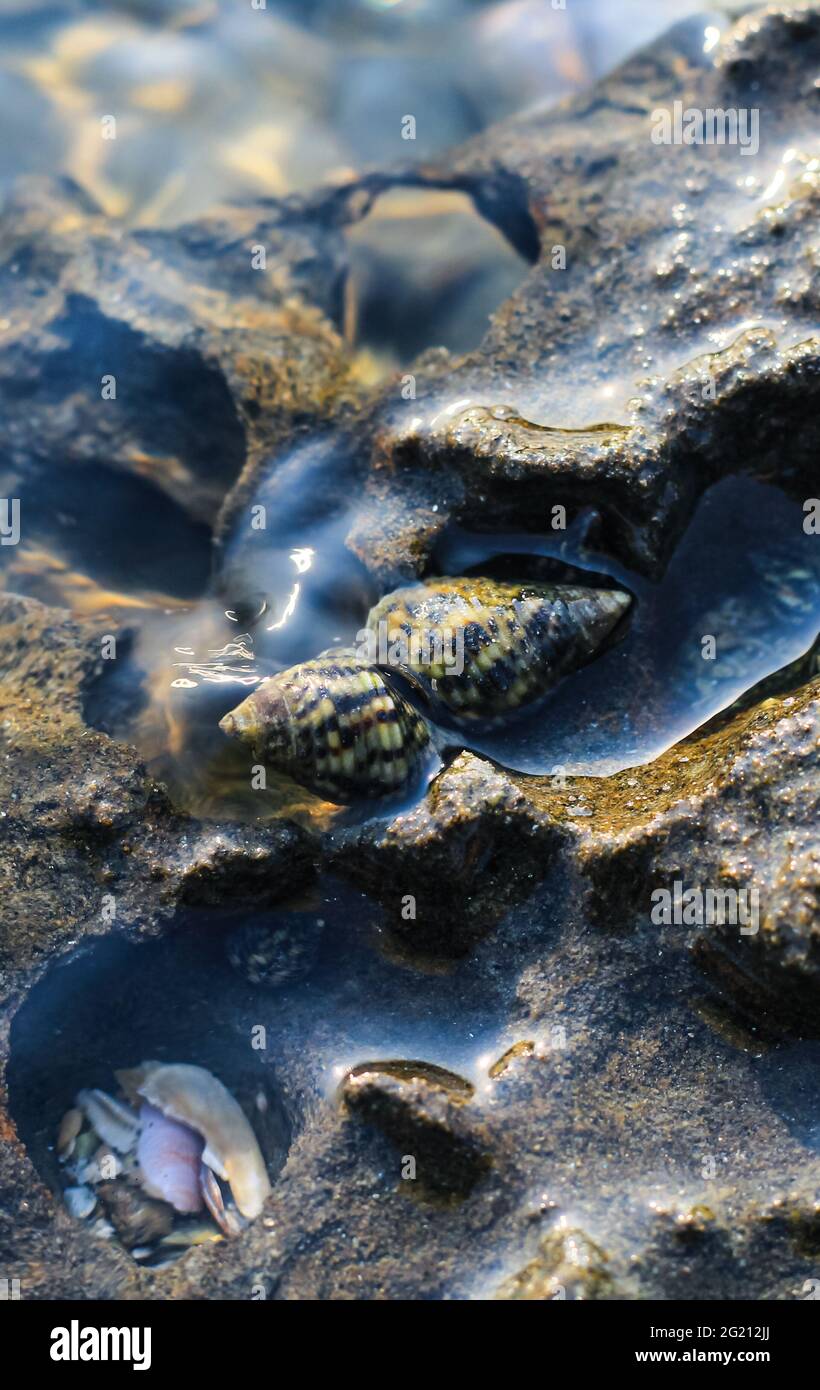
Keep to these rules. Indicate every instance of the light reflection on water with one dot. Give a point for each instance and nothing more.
(218, 669)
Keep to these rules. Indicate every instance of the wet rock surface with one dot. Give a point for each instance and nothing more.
(237, 355)
(82, 818)
(659, 246)
(603, 1105)
(420, 1108)
(89, 847)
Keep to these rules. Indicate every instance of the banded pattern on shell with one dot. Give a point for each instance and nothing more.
(334, 725)
(484, 648)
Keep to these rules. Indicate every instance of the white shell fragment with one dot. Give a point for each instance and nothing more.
(109, 1164)
(80, 1201)
(113, 1121)
(195, 1098)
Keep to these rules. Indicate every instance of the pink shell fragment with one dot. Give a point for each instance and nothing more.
(169, 1155)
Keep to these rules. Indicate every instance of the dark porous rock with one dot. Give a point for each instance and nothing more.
(213, 359)
(425, 1112)
(568, 1265)
(470, 850)
(743, 817)
(83, 820)
(735, 805)
(699, 1253)
(593, 386)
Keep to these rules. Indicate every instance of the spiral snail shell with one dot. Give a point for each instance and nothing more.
(483, 648)
(341, 725)
(335, 726)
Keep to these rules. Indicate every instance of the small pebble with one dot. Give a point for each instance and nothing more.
(80, 1201)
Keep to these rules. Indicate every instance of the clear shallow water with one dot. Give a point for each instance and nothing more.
(216, 100)
(615, 1014)
(115, 1004)
(744, 573)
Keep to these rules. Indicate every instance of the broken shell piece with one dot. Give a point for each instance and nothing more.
(198, 1233)
(114, 1122)
(223, 1211)
(169, 1156)
(129, 1080)
(85, 1146)
(194, 1097)
(103, 1164)
(70, 1126)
